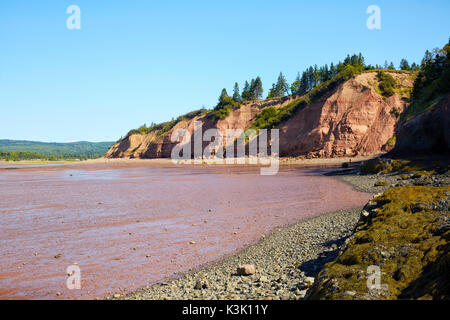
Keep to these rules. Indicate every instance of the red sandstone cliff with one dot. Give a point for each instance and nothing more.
(353, 119)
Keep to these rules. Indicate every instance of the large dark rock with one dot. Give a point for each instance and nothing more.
(426, 133)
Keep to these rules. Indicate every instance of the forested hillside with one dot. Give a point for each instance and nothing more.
(26, 150)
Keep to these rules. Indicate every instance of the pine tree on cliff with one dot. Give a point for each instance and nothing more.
(258, 89)
(303, 84)
(295, 86)
(236, 94)
(246, 94)
(360, 60)
(224, 97)
(310, 74)
(252, 90)
(282, 86)
(404, 65)
(316, 76)
(333, 71)
(272, 92)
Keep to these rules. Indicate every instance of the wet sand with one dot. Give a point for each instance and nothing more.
(130, 224)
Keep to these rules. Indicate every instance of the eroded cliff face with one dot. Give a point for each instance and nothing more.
(353, 119)
(157, 145)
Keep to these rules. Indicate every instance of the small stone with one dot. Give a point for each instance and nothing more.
(58, 256)
(58, 294)
(349, 293)
(302, 293)
(246, 269)
(116, 295)
(200, 285)
(309, 281)
(364, 215)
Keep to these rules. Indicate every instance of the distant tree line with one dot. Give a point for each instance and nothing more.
(432, 82)
(304, 82)
(18, 156)
(434, 73)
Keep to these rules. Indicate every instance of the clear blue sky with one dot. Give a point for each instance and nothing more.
(144, 61)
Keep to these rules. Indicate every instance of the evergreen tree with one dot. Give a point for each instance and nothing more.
(258, 89)
(295, 86)
(236, 94)
(224, 99)
(404, 65)
(252, 90)
(360, 60)
(310, 74)
(282, 87)
(246, 93)
(272, 92)
(303, 84)
(333, 71)
(316, 76)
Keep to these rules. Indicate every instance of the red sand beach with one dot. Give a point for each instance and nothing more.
(130, 225)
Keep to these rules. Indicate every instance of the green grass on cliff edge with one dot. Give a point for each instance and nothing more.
(402, 239)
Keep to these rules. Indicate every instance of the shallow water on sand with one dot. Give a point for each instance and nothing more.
(130, 226)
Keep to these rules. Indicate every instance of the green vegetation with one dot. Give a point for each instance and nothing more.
(381, 184)
(164, 127)
(432, 83)
(387, 84)
(18, 156)
(23, 150)
(280, 89)
(403, 235)
(223, 108)
(388, 166)
(391, 141)
(271, 117)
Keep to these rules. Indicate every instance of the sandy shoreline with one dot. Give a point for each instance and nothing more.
(129, 161)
